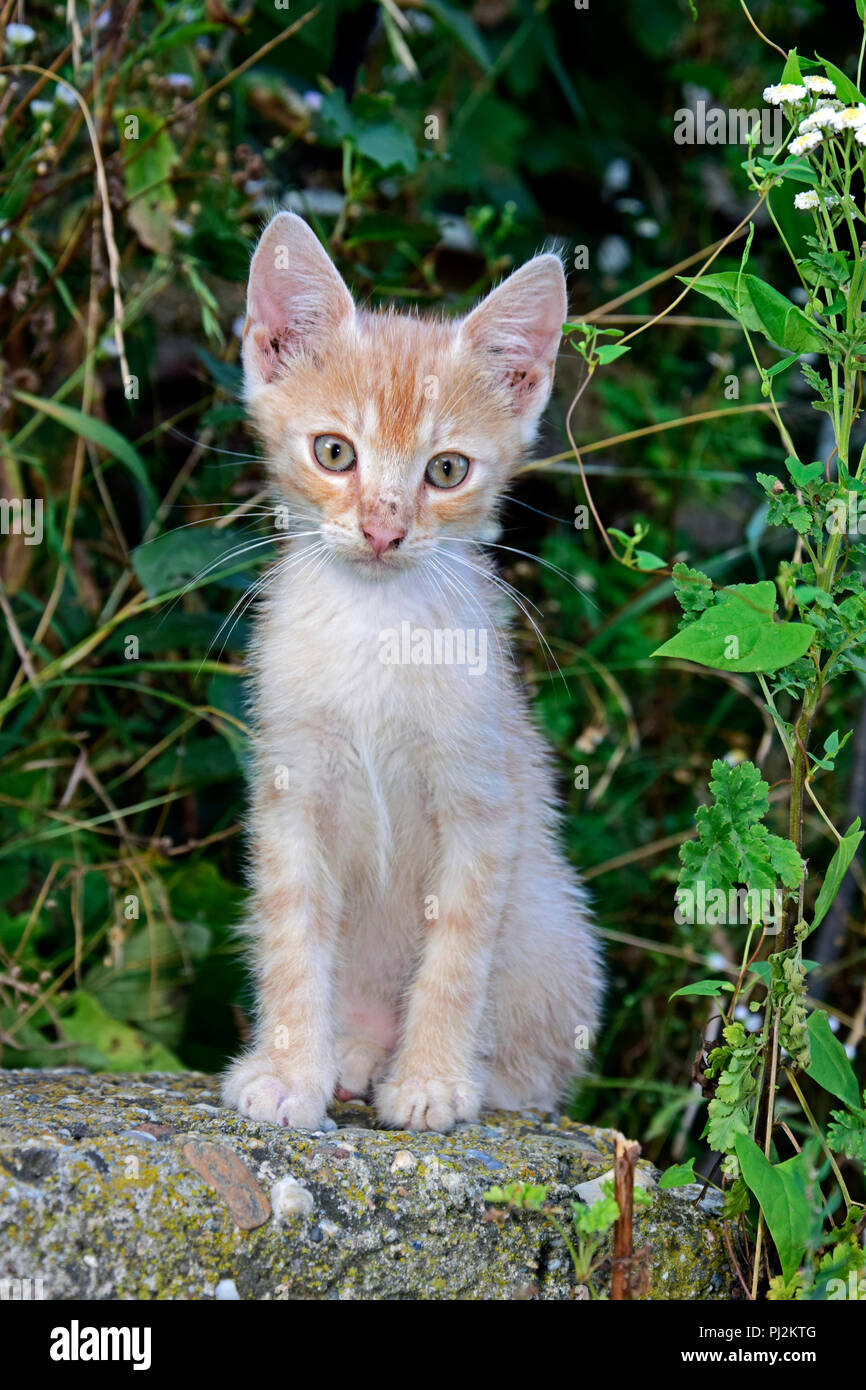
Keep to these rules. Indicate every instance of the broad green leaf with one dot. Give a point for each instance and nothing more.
(761, 308)
(845, 89)
(193, 554)
(722, 290)
(98, 432)
(678, 1175)
(782, 321)
(738, 633)
(836, 870)
(709, 989)
(103, 1043)
(781, 1192)
(830, 1066)
(791, 70)
(388, 145)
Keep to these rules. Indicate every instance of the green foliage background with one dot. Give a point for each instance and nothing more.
(121, 782)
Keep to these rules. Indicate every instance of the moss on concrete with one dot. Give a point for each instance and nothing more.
(98, 1199)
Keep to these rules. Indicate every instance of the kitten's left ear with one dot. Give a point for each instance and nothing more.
(517, 328)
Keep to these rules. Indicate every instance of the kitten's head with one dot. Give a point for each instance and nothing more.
(387, 433)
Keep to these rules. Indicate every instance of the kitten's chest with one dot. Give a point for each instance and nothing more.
(389, 669)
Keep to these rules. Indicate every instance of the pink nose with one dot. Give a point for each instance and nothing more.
(383, 538)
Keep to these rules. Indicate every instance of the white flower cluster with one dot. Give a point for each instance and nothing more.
(784, 93)
(808, 202)
(820, 86)
(828, 118)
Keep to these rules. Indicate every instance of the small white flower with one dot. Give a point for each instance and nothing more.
(804, 143)
(850, 117)
(646, 227)
(860, 135)
(613, 255)
(818, 120)
(179, 81)
(784, 92)
(65, 95)
(41, 108)
(313, 100)
(821, 85)
(20, 34)
(804, 202)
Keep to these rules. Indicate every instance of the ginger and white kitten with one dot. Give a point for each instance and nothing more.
(415, 930)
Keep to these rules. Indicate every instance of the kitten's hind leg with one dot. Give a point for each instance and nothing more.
(364, 1044)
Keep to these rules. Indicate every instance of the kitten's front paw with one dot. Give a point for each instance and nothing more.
(427, 1103)
(253, 1087)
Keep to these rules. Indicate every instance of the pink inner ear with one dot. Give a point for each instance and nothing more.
(295, 297)
(518, 328)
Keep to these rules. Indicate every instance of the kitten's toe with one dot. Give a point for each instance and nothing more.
(252, 1087)
(427, 1103)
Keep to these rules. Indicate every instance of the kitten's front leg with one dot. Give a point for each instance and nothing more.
(289, 1077)
(435, 1080)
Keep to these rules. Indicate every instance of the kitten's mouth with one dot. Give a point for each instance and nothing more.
(387, 563)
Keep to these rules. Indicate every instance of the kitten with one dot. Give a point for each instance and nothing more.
(415, 930)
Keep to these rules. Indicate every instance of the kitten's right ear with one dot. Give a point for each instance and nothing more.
(295, 297)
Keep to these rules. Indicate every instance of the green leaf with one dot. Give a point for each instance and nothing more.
(739, 634)
(782, 366)
(791, 70)
(781, 1192)
(709, 989)
(105, 1044)
(457, 23)
(147, 179)
(722, 290)
(845, 89)
(836, 871)
(847, 1134)
(760, 308)
(693, 590)
(783, 322)
(678, 1175)
(98, 432)
(646, 560)
(191, 554)
(388, 145)
(609, 352)
(830, 1066)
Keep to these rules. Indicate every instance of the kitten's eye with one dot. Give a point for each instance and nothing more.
(447, 470)
(334, 453)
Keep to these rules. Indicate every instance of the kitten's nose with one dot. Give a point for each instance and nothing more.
(384, 538)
